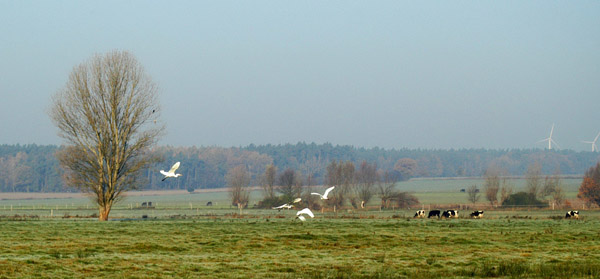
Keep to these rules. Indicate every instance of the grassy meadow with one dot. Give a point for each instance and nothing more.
(184, 238)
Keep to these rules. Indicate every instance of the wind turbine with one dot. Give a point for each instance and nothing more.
(550, 140)
(594, 147)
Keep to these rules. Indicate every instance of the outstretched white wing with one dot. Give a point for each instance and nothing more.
(164, 172)
(327, 191)
(317, 194)
(297, 200)
(282, 206)
(174, 167)
(301, 218)
(305, 211)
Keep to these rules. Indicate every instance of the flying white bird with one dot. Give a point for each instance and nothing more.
(283, 206)
(304, 211)
(324, 196)
(297, 200)
(171, 172)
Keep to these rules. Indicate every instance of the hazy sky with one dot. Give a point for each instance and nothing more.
(393, 74)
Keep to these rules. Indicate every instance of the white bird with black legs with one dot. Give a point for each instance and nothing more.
(306, 211)
(324, 196)
(171, 172)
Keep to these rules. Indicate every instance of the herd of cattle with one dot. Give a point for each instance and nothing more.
(474, 214)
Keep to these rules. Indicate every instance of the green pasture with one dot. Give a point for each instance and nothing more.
(271, 244)
(430, 192)
(181, 237)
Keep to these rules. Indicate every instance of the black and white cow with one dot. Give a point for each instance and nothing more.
(477, 214)
(420, 214)
(435, 213)
(450, 214)
(572, 214)
(209, 203)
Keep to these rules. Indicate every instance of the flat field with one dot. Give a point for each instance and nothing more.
(271, 244)
(53, 237)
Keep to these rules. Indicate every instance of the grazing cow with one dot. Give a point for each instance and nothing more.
(572, 214)
(450, 214)
(434, 213)
(149, 204)
(477, 214)
(144, 204)
(209, 203)
(420, 214)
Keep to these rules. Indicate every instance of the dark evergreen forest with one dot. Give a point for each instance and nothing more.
(34, 168)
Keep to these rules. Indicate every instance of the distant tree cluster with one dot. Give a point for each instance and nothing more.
(359, 186)
(29, 168)
(539, 191)
(206, 167)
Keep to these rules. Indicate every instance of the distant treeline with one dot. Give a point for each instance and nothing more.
(33, 168)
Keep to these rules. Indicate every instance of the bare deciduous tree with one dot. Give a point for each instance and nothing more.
(335, 177)
(366, 178)
(269, 181)
(107, 115)
(288, 185)
(533, 179)
(492, 185)
(386, 187)
(346, 187)
(505, 191)
(473, 194)
(238, 180)
(553, 187)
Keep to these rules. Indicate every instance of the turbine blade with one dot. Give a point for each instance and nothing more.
(555, 143)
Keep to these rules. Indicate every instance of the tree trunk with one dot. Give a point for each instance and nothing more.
(104, 211)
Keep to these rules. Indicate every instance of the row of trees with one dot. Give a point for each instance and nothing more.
(355, 186)
(497, 189)
(34, 168)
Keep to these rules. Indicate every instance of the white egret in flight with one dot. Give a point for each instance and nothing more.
(324, 196)
(171, 172)
(304, 211)
(283, 206)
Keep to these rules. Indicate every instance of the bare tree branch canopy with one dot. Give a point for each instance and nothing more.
(238, 180)
(288, 184)
(492, 184)
(534, 180)
(386, 187)
(473, 194)
(366, 178)
(269, 181)
(107, 115)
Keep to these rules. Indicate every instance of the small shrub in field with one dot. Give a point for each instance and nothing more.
(523, 199)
